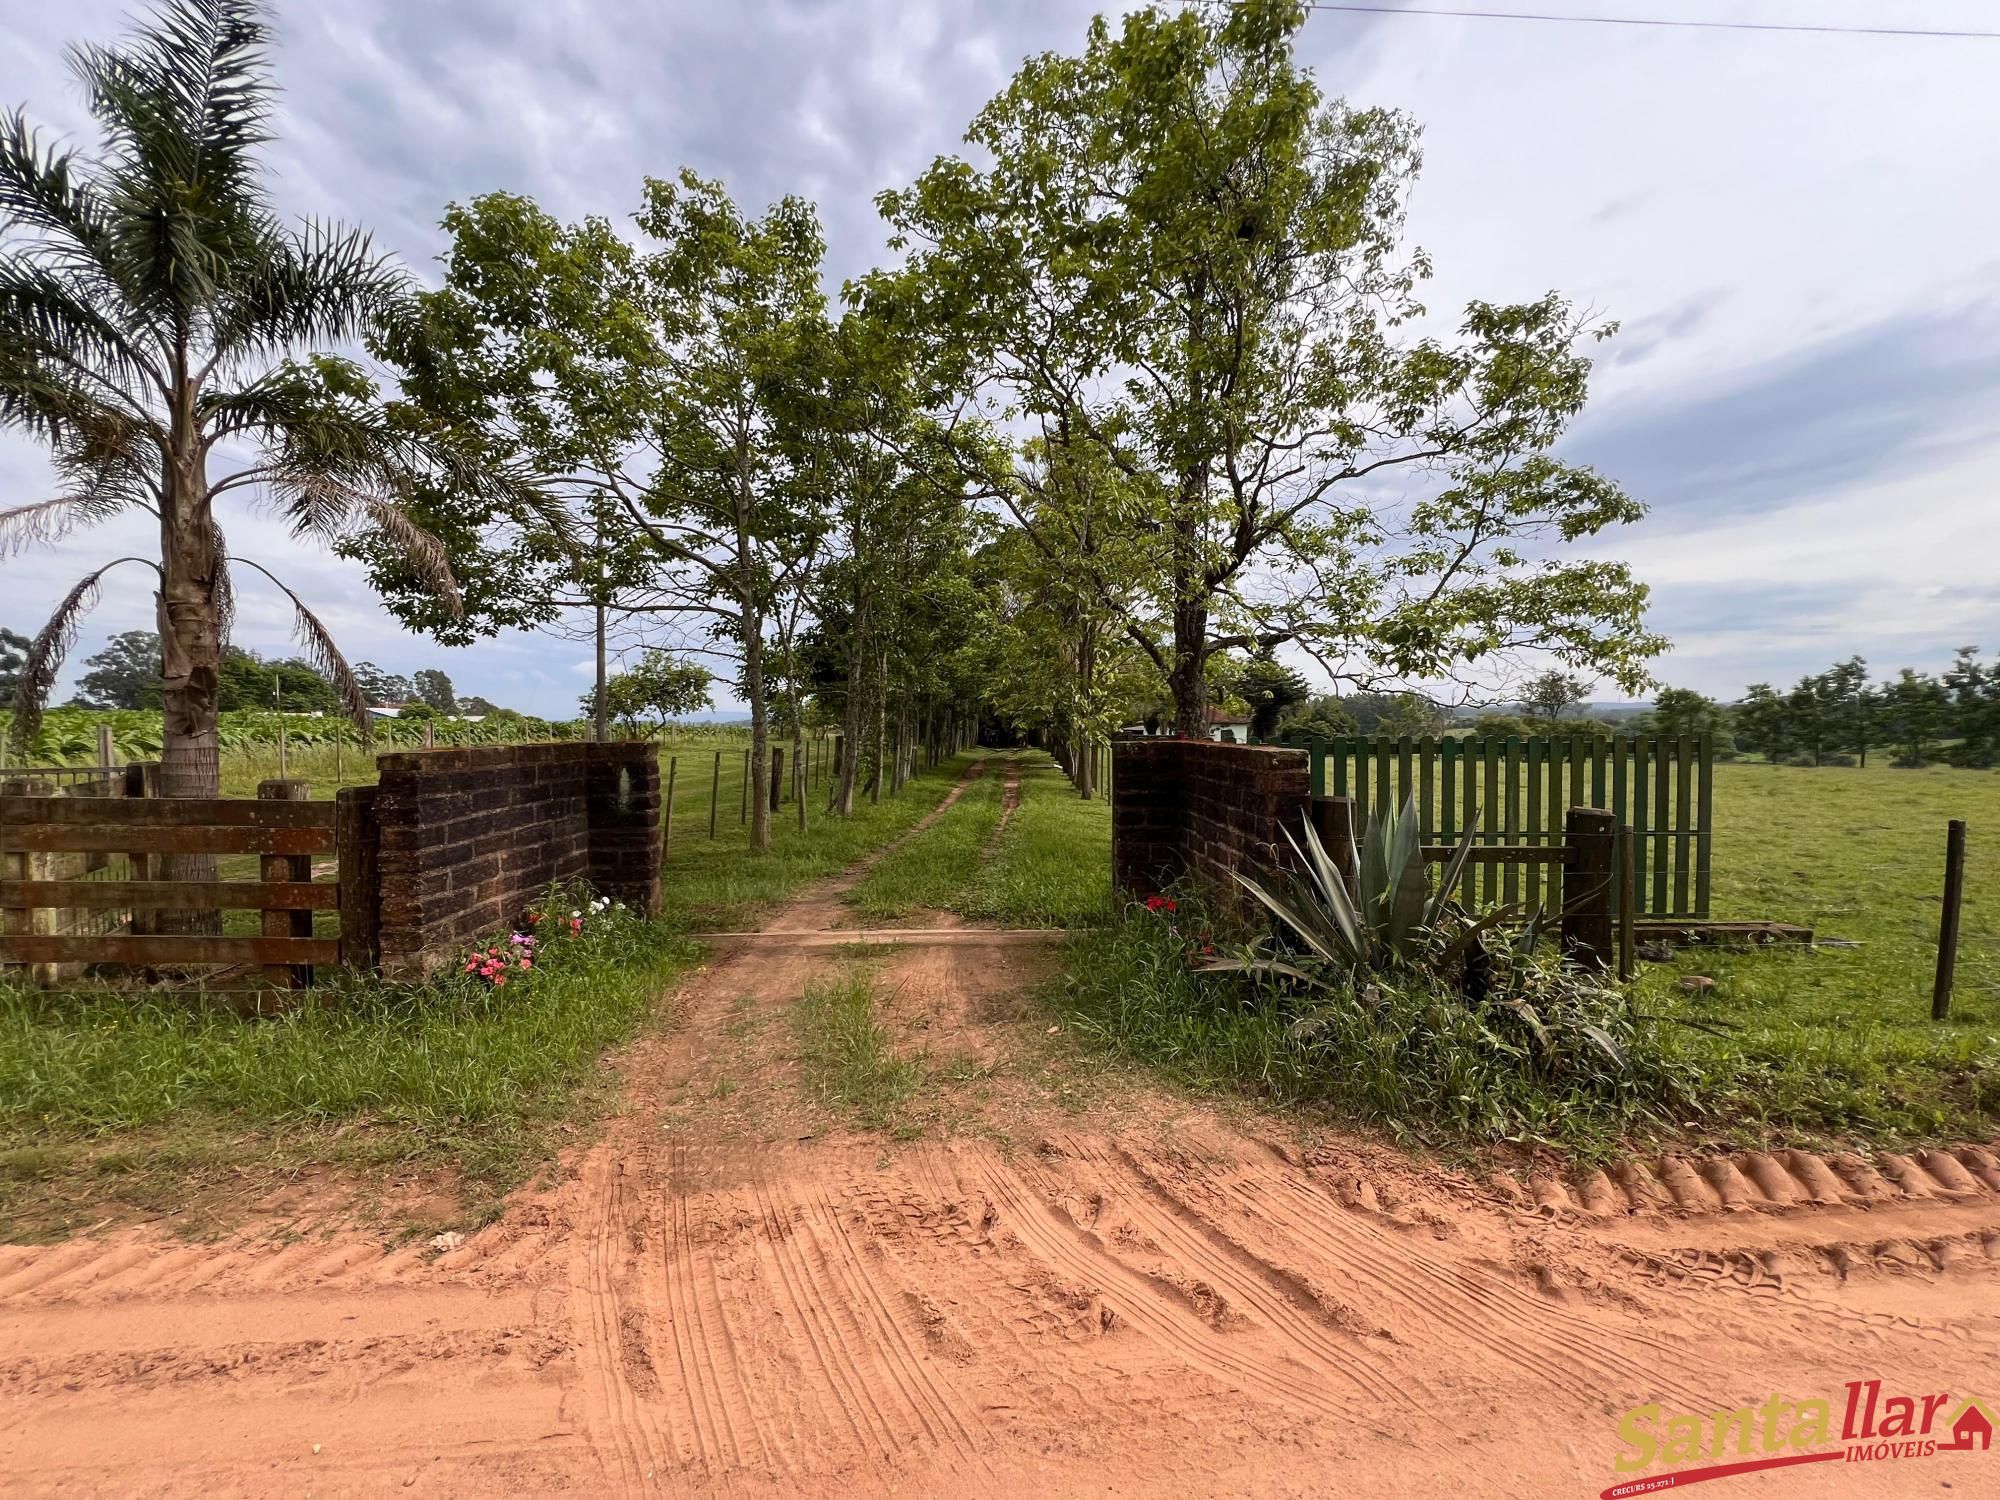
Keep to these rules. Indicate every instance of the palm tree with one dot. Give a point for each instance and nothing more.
(155, 312)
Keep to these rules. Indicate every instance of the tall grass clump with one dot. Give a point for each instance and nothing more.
(1548, 1057)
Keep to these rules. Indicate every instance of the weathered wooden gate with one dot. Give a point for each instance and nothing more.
(54, 849)
(1661, 787)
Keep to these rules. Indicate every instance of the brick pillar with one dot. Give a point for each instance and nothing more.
(623, 798)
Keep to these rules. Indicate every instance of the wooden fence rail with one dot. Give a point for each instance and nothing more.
(1662, 787)
(281, 826)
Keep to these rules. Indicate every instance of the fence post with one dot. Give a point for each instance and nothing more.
(667, 820)
(1954, 896)
(1333, 821)
(777, 776)
(142, 779)
(1628, 902)
(357, 845)
(283, 921)
(714, 791)
(28, 864)
(107, 751)
(1590, 837)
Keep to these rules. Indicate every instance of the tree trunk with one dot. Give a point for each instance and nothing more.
(852, 716)
(881, 731)
(760, 726)
(190, 658)
(600, 710)
(1186, 681)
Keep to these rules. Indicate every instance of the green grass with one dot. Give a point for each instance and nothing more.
(1815, 1045)
(1050, 865)
(846, 1056)
(935, 868)
(720, 886)
(1839, 1041)
(100, 1085)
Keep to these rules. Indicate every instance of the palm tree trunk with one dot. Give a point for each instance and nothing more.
(190, 659)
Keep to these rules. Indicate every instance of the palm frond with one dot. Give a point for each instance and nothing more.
(324, 654)
(328, 507)
(184, 104)
(41, 193)
(47, 652)
(322, 285)
(225, 586)
(43, 523)
(53, 332)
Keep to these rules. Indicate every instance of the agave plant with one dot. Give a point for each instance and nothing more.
(1391, 919)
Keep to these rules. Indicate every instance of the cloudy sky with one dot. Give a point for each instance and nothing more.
(1798, 232)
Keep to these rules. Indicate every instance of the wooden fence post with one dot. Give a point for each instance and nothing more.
(142, 779)
(667, 823)
(281, 922)
(1628, 902)
(839, 746)
(1954, 897)
(1333, 821)
(28, 864)
(1590, 838)
(358, 849)
(714, 791)
(777, 776)
(107, 750)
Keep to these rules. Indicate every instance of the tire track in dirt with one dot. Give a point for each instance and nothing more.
(1173, 1322)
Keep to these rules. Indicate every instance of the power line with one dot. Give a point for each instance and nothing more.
(1519, 15)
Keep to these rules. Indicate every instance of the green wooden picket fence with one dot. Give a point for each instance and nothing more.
(1662, 787)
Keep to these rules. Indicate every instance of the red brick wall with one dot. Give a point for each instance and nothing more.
(1199, 810)
(470, 837)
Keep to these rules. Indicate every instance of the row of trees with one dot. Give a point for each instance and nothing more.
(1840, 713)
(1150, 395)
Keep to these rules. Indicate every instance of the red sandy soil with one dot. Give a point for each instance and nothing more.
(1140, 1299)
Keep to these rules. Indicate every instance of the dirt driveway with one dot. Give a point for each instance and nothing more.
(731, 1294)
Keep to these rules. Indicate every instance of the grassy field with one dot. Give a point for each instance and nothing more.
(1050, 866)
(1804, 1045)
(109, 1101)
(1833, 1040)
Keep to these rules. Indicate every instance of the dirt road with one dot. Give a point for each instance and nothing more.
(732, 1295)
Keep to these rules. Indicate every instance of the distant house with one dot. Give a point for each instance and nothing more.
(384, 710)
(1224, 725)
(1972, 1428)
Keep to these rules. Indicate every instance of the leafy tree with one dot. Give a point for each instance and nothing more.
(416, 708)
(1502, 726)
(481, 707)
(1185, 258)
(433, 687)
(1915, 715)
(645, 383)
(1764, 722)
(1679, 711)
(1975, 708)
(1268, 687)
(660, 685)
(1318, 718)
(1552, 695)
(380, 686)
(125, 674)
(246, 681)
(13, 655)
(149, 300)
(1846, 705)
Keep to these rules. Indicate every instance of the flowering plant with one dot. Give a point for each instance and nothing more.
(523, 951)
(493, 964)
